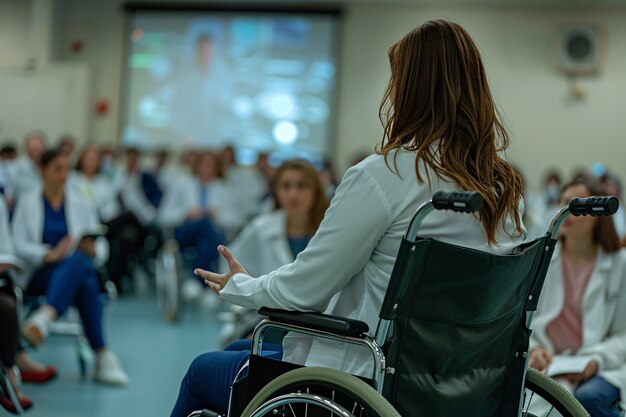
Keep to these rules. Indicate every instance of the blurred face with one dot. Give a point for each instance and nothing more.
(205, 53)
(207, 168)
(580, 227)
(90, 162)
(35, 148)
(55, 173)
(132, 161)
(294, 192)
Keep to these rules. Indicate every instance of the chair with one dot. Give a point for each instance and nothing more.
(452, 338)
(7, 388)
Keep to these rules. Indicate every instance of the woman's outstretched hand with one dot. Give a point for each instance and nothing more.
(219, 281)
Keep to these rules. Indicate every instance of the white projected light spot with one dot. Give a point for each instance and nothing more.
(283, 105)
(285, 133)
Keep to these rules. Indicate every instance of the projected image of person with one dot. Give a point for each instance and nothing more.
(198, 110)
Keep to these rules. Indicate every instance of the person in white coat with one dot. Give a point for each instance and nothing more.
(26, 175)
(125, 233)
(52, 229)
(274, 239)
(435, 139)
(582, 308)
(199, 210)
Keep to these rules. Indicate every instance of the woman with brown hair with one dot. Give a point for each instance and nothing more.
(274, 239)
(582, 308)
(442, 132)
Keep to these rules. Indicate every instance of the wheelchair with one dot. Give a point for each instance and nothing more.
(168, 274)
(173, 265)
(452, 339)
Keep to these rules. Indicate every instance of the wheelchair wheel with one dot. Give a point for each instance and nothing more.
(167, 276)
(314, 391)
(545, 397)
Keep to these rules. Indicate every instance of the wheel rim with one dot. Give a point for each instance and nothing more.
(285, 404)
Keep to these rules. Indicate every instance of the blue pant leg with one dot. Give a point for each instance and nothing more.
(599, 397)
(204, 237)
(89, 303)
(60, 282)
(208, 381)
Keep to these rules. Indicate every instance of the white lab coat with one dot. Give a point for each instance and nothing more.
(262, 245)
(183, 197)
(604, 314)
(353, 253)
(98, 192)
(28, 225)
(27, 176)
(7, 251)
(128, 187)
(7, 177)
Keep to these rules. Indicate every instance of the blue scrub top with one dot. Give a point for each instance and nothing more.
(54, 223)
(297, 244)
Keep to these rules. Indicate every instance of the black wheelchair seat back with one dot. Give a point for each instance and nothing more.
(459, 337)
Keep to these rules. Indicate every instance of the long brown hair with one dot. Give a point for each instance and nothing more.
(604, 233)
(316, 215)
(438, 105)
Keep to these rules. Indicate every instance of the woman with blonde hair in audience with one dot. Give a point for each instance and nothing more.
(53, 230)
(582, 308)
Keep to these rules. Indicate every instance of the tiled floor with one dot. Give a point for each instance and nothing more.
(154, 353)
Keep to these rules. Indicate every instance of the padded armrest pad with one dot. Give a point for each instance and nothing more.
(318, 321)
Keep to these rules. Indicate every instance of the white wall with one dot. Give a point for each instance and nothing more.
(51, 96)
(14, 18)
(518, 44)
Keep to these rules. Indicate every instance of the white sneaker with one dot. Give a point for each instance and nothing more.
(191, 290)
(37, 328)
(108, 369)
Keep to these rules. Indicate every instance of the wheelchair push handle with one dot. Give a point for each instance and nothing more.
(594, 206)
(459, 201)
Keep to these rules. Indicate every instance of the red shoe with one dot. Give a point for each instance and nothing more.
(39, 377)
(8, 405)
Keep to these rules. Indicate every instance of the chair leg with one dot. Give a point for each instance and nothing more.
(7, 387)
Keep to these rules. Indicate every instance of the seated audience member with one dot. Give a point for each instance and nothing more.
(27, 175)
(346, 266)
(8, 159)
(49, 229)
(86, 180)
(128, 186)
(276, 238)
(329, 179)
(614, 187)
(67, 144)
(199, 210)
(155, 181)
(582, 307)
(11, 353)
(245, 183)
(125, 234)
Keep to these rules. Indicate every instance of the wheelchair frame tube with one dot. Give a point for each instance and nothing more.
(557, 221)
(416, 222)
(380, 361)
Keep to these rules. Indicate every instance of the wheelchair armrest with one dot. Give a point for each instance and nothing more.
(317, 321)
